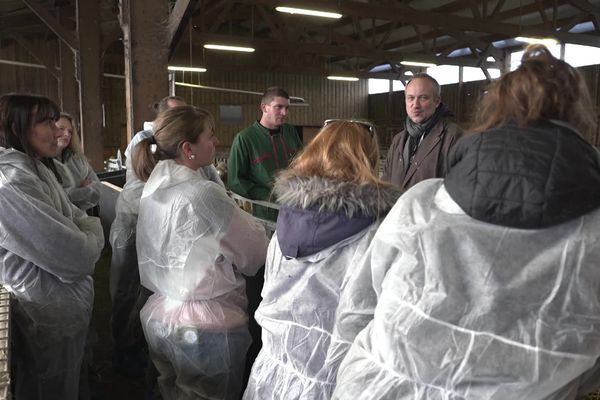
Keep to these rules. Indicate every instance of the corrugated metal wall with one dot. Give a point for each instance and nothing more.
(388, 110)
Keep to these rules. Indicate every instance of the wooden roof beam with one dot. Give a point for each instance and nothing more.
(178, 20)
(53, 24)
(330, 50)
(402, 13)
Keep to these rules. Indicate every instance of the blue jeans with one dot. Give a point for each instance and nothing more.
(197, 364)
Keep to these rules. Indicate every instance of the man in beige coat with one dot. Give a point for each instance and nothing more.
(421, 150)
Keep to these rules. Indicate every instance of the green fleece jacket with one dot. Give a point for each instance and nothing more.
(256, 155)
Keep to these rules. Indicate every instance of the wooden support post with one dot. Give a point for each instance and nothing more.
(69, 92)
(146, 48)
(67, 83)
(90, 90)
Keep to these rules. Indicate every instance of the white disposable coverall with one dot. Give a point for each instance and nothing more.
(124, 286)
(473, 310)
(311, 299)
(48, 249)
(73, 170)
(193, 243)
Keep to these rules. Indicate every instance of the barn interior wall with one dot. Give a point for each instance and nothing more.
(325, 98)
(388, 110)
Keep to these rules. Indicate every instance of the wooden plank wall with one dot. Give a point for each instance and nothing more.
(388, 111)
(26, 79)
(326, 99)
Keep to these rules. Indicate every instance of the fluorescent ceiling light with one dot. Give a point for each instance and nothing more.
(417, 64)
(314, 13)
(342, 78)
(545, 41)
(186, 69)
(229, 48)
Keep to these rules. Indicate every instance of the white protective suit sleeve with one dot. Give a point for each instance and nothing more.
(475, 310)
(33, 229)
(75, 170)
(244, 242)
(360, 292)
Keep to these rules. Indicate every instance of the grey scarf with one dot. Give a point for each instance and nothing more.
(418, 131)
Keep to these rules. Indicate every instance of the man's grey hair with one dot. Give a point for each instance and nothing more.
(437, 89)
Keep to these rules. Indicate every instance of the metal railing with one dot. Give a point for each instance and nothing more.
(4, 344)
(248, 204)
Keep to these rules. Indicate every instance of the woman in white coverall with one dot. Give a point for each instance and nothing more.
(48, 251)
(78, 178)
(331, 205)
(193, 244)
(127, 296)
(493, 287)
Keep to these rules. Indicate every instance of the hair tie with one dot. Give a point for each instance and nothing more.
(152, 139)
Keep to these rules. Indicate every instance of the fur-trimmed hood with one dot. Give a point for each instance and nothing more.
(317, 213)
(333, 196)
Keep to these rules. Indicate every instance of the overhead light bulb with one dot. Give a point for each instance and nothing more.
(313, 13)
(342, 78)
(228, 48)
(186, 69)
(418, 64)
(549, 42)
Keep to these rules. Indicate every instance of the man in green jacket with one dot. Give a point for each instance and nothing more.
(261, 150)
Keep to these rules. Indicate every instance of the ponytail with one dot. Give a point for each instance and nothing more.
(144, 160)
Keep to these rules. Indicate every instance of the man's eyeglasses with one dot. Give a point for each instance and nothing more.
(365, 124)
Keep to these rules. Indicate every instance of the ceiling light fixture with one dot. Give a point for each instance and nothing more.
(229, 48)
(417, 64)
(342, 78)
(313, 13)
(186, 69)
(531, 40)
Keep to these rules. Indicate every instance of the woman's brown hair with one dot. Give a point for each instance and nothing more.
(18, 113)
(543, 87)
(171, 129)
(342, 150)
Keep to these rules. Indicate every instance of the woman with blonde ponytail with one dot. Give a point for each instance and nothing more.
(193, 245)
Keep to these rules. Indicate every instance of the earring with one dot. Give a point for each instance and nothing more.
(192, 156)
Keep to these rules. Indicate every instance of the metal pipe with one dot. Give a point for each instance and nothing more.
(22, 64)
(294, 100)
(300, 100)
